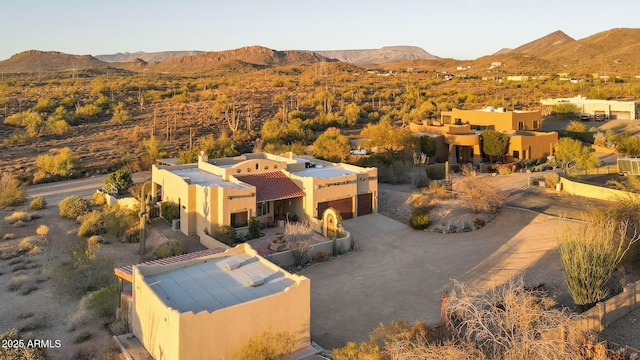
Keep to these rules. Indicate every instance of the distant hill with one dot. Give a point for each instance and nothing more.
(545, 44)
(249, 57)
(146, 56)
(36, 61)
(385, 55)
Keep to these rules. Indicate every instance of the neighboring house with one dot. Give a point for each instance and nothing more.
(623, 110)
(209, 304)
(458, 137)
(273, 188)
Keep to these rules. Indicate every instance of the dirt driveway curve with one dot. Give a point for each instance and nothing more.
(402, 273)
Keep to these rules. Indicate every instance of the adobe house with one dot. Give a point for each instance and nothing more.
(273, 188)
(208, 305)
(458, 134)
(611, 109)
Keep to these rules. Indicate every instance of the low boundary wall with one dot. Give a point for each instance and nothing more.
(606, 312)
(342, 245)
(595, 191)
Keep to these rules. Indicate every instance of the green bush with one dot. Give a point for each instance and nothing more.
(92, 224)
(170, 211)
(436, 171)
(419, 220)
(120, 179)
(254, 228)
(168, 248)
(104, 302)
(226, 234)
(73, 206)
(38, 203)
(99, 198)
(18, 352)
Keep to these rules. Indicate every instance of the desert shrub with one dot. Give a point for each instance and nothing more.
(17, 280)
(170, 211)
(42, 230)
(18, 352)
(92, 224)
(397, 172)
(254, 228)
(478, 223)
(168, 248)
(504, 169)
(267, 346)
(436, 171)
(81, 317)
(225, 234)
(88, 111)
(17, 216)
(99, 198)
(117, 221)
(479, 194)
(132, 235)
(419, 220)
(38, 203)
(31, 245)
(298, 236)
(73, 206)
(12, 191)
(87, 270)
(60, 164)
(551, 179)
(19, 137)
(103, 302)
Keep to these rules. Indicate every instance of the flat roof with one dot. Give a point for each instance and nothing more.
(209, 285)
(325, 171)
(200, 177)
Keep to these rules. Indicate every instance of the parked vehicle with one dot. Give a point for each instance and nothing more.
(585, 117)
(629, 166)
(600, 117)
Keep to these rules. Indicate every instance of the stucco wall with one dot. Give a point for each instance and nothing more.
(153, 323)
(594, 191)
(537, 144)
(168, 334)
(495, 119)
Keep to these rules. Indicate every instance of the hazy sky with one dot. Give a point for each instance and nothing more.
(460, 29)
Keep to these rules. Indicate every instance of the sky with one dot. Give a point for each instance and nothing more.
(459, 29)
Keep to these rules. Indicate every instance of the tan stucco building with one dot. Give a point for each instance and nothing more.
(458, 137)
(229, 191)
(210, 306)
(622, 110)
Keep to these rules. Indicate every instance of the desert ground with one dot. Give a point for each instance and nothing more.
(33, 304)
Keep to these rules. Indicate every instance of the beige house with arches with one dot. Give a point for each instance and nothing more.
(273, 188)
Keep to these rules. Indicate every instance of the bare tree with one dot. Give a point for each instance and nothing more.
(512, 322)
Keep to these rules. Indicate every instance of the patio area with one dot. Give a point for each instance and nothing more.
(262, 244)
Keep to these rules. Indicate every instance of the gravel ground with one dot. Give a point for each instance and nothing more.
(625, 331)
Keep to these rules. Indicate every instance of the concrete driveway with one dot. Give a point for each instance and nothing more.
(402, 273)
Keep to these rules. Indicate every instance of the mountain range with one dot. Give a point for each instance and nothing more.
(615, 50)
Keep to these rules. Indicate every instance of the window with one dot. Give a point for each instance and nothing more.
(520, 125)
(239, 219)
(536, 124)
(262, 208)
(516, 154)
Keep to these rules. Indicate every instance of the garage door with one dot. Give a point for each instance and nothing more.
(344, 207)
(621, 115)
(365, 204)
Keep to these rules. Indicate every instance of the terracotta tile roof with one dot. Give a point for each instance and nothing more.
(272, 186)
(126, 272)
